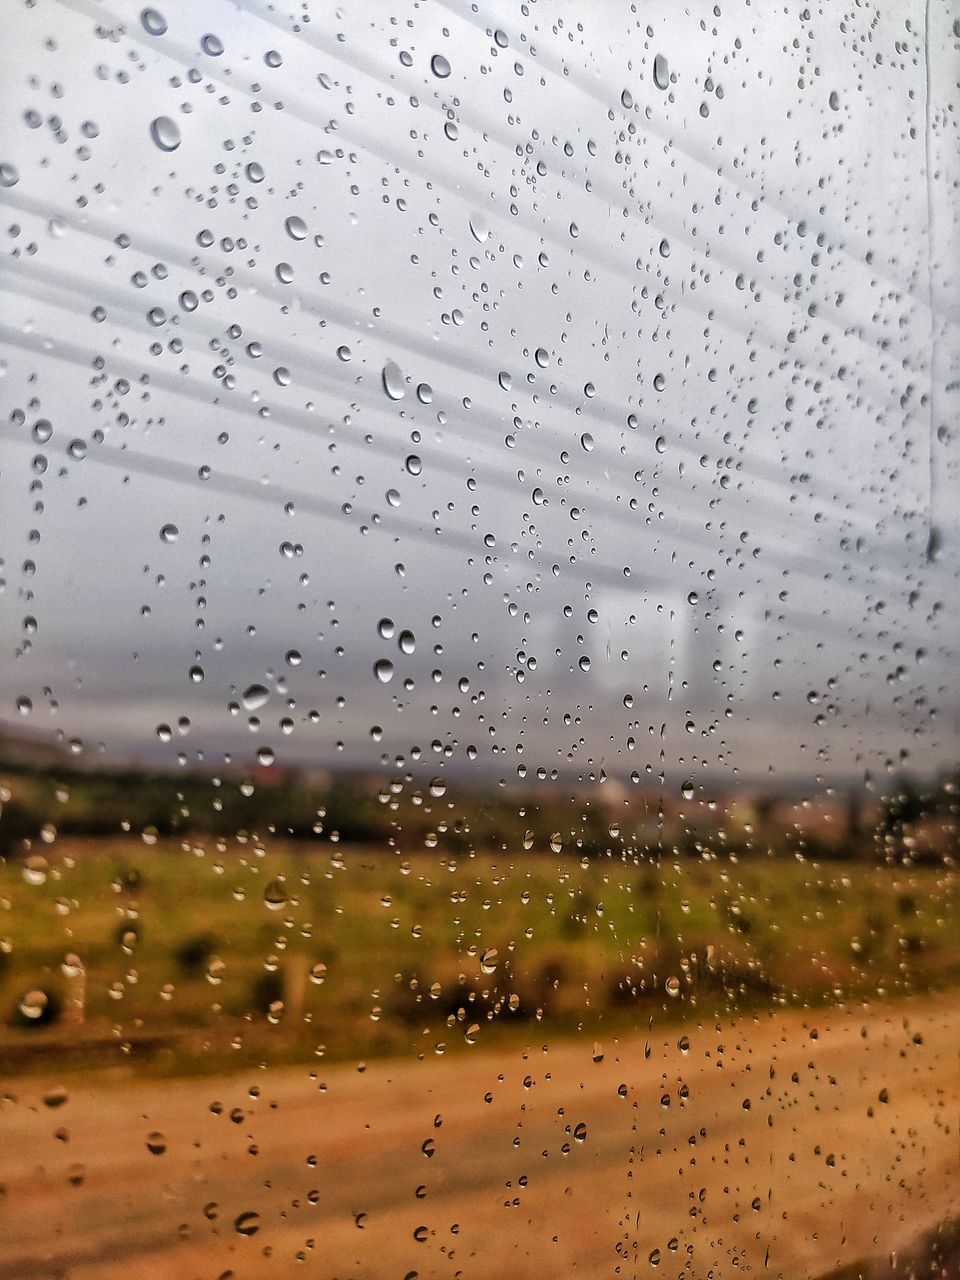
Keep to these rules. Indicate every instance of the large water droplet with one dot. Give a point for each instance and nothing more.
(169, 533)
(247, 1224)
(439, 66)
(296, 228)
(211, 45)
(661, 72)
(154, 23)
(275, 896)
(393, 380)
(165, 133)
(383, 670)
(255, 696)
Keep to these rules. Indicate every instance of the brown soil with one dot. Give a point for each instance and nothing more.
(779, 1145)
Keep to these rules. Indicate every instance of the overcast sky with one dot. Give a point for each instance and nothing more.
(612, 358)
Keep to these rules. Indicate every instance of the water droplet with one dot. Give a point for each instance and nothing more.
(211, 45)
(439, 66)
(672, 986)
(834, 101)
(413, 464)
(580, 1132)
(479, 227)
(254, 171)
(154, 23)
(488, 961)
(661, 72)
(77, 449)
(33, 1005)
(247, 1224)
(275, 895)
(407, 642)
(35, 869)
(169, 533)
(687, 790)
(156, 1143)
(393, 380)
(586, 441)
(255, 696)
(165, 133)
(272, 58)
(9, 174)
(344, 353)
(383, 670)
(296, 228)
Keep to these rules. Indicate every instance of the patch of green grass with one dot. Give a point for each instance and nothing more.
(291, 950)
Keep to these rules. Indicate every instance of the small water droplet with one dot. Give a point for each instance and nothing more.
(156, 1143)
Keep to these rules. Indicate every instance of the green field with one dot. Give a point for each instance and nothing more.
(185, 952)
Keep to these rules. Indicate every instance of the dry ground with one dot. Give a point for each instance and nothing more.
(784, 1144)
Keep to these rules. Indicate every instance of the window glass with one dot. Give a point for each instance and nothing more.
(478, 726)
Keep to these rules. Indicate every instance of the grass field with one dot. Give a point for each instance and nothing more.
(284, 951)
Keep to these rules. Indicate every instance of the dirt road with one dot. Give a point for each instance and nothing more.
(782, 1145)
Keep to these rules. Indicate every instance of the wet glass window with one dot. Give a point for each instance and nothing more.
(479, 733)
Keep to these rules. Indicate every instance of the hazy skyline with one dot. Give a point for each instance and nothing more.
(504, 340)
